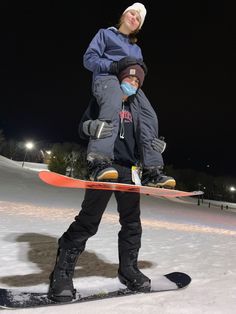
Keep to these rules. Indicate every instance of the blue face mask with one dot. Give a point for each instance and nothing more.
(128, 89)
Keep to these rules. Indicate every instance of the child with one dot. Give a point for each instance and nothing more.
(131, 80)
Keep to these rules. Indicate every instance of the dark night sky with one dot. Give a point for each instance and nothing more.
(188, 46)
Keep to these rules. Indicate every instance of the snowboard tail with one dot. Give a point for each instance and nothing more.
(62, 181)
(12, 299)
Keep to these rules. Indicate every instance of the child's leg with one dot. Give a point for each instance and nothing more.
(148, 131)
(109, 98)
(152, 174)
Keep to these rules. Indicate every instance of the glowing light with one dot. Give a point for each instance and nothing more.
(29, 145)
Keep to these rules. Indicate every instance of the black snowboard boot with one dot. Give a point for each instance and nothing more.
(100, 168)
(130, 275)
(154, 177)
(61, 287)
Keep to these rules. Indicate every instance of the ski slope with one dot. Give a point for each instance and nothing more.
(177, 236)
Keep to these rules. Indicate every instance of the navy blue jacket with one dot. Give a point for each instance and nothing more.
(108, 45)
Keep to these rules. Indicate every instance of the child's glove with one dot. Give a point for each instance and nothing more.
(158, 144)
(97, 128)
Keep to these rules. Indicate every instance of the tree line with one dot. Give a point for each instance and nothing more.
(70, 159)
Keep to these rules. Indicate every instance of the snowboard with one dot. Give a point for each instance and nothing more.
(62, 181)
(13, 299)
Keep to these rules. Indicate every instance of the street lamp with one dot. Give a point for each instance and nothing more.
(232, 189)
(28, 146)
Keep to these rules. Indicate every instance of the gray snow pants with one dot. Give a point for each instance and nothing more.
(109, 95)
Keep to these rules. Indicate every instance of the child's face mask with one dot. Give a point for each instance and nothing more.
(128, 89)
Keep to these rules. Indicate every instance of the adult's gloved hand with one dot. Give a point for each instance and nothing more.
(123, 63)
(97, 128)
(158, 144)
(143, 65)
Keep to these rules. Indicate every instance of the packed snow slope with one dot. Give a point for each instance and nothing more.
(178, 235)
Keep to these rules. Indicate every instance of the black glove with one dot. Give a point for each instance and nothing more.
(117, 66)
(158, 144)
(97, 128)
(143, 65)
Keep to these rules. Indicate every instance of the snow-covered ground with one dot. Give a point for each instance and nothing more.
(178, 235)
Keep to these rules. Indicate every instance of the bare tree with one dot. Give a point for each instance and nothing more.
(2, 139)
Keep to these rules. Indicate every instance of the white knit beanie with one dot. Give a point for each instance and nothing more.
(137, 6)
